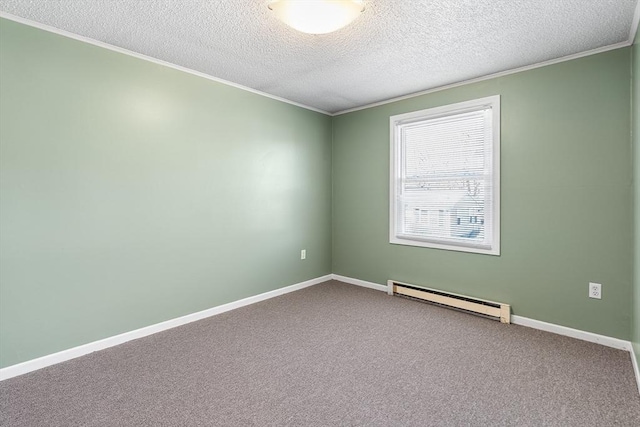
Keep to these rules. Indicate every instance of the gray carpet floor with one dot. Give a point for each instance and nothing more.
(334, 355)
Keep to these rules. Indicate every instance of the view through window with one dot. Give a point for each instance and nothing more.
(445, 177)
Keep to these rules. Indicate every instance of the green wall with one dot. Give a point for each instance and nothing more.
(134, 193)
(635, 109)
(566, 197)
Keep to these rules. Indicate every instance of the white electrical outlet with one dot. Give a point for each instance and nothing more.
(595, 290)
(303, 254)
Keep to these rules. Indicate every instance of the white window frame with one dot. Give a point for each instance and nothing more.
(396, 122)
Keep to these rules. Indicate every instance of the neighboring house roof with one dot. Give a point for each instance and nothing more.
(448, 200)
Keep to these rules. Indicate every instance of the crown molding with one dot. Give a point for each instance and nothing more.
(489, 76)
(113, 48)
(634, 24)
(48, 28)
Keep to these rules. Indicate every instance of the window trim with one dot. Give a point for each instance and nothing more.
(395, 168)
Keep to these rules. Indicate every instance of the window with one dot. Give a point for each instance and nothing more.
(445, 164)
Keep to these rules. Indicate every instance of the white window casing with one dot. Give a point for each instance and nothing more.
(445, 177)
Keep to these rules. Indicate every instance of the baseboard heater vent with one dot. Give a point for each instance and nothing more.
(487, 308)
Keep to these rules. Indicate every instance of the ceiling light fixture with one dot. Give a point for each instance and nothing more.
(317, 16)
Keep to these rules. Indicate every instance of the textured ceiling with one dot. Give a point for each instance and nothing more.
(395, 47)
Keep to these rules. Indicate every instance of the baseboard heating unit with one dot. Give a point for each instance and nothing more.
(491, 309)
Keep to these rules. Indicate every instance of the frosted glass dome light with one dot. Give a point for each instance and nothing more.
(317, 16)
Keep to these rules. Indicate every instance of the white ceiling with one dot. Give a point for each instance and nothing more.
(395, 48)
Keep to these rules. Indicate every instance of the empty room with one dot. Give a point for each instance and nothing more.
(319, 213)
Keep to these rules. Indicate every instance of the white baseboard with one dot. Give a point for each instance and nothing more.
(523, 321)
(535, 324)
(359, 282)
(573, 333)
(636, 368)
(72, 353)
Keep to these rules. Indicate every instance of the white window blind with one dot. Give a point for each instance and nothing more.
(445, 177)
